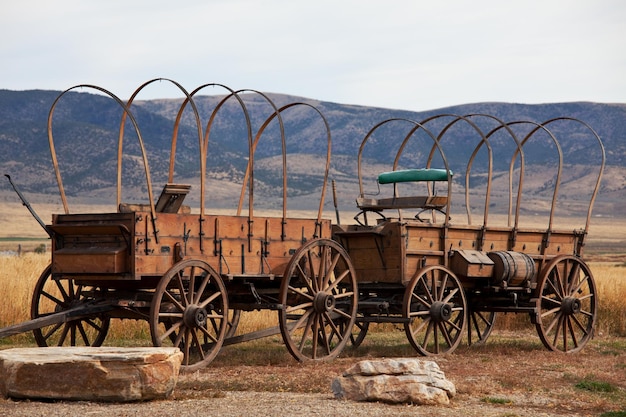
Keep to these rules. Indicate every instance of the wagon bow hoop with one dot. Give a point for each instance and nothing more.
(55, 162)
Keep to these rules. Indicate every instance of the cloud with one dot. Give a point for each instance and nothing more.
(402, 54)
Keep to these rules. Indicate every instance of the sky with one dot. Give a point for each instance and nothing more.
(399, 54)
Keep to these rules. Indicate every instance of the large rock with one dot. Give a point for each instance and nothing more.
(395, 381)
(89, 373)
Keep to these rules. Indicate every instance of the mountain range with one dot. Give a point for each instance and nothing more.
(86, 125)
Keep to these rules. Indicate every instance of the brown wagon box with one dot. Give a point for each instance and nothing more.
(471, 264)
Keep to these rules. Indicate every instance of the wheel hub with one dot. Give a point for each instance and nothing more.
(323, 302)
(440, 311)
(195, 316)
(570, 306)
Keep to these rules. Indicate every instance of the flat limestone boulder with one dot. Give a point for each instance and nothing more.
(89, 373)
(402, 380)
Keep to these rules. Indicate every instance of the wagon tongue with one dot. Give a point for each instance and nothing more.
(28, 206)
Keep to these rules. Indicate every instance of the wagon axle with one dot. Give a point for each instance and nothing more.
(440, 311)
(571, 306)
(195, 316)
(324, 302)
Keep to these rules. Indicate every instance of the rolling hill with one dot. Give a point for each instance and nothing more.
(86, 129)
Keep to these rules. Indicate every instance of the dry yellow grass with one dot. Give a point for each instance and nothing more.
(611, 283)
(18, 276)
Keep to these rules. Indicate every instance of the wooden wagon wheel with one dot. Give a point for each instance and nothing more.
(189, 310)
(319, 297)
(566, 304)
(479, 327)
(53, 296)
(435, 308)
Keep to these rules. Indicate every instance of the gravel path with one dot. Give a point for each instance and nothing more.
(264, 404)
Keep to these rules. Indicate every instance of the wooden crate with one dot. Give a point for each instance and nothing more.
(471, 264)
(94, 260)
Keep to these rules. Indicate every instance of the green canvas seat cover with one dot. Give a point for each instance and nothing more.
(407, 175)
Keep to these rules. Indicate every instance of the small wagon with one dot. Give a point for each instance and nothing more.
(440, 279)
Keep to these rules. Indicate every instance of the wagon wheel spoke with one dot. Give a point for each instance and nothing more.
(73, 334)
(307, 329)
(234, 317)
(315, 335)
(52, 296)
(555, 315)
(559, 328)
(172, 298)
(64, 292)
(449, 297)
(334, 329)
(337, 313)
(416, 330)
(550, 301)
(189, 310)
(180, 290)
(52, 330)
(435, 308)
(572, 333)
(304, 278)
(359, 331)
(442, 286)
(331, 281)
(191, 295)
(559, 279)
(427, 292)
(335, 283)
(294, 309)
(322, 264)
(480, 325)
(326, 337)
(84, 332)
(178, 340)
(319, 297)
(566, 306)
(208, 336)
(553, 290)
(301, 292)
(94, 324)
(183, 340)
(209, 300)
(578, 321)
(445, 333)
(579, 288)
(425, 314)
(63, 335)
(430, 333)
(171, 331)
(198, 347)
(573, 283)
(454, 324)
(311, 270)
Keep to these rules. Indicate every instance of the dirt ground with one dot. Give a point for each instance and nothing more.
(511, 375)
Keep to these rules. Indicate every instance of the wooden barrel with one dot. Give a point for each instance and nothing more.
(513, 268)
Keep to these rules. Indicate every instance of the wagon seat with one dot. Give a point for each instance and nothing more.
(431, 202)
